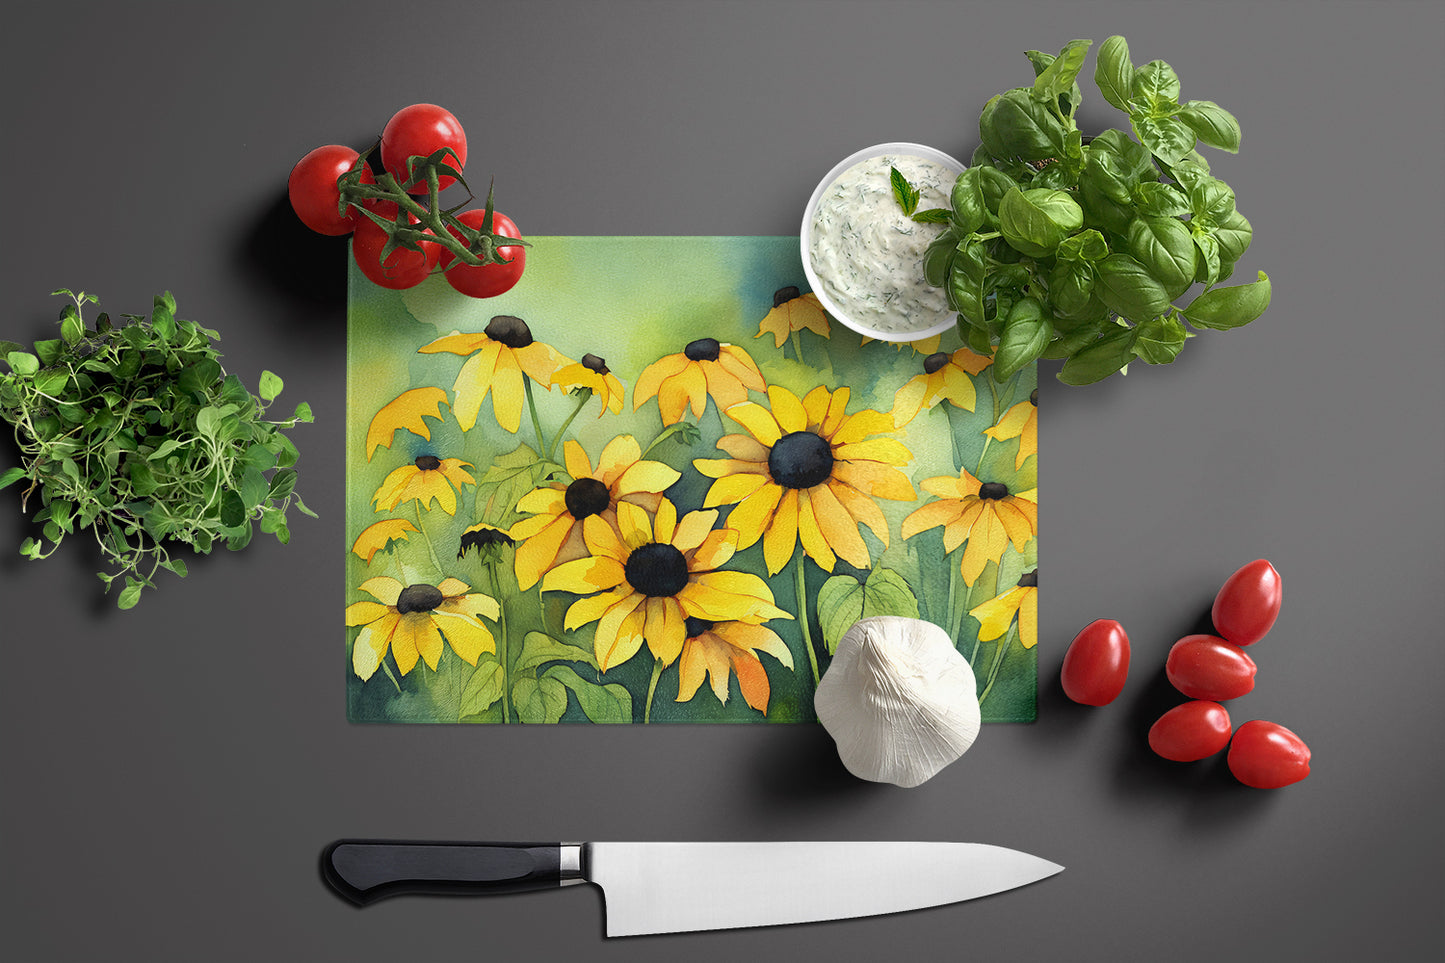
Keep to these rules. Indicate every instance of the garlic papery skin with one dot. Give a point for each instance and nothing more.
(899, 700)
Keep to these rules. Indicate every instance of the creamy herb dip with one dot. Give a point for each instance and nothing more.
(868, 254)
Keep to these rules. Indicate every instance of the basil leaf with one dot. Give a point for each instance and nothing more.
(1087, 245)
(966, 281)
(970, 211)
(1233, 235)
(938, 258)
(1165, 247)
(994, 184)
(1160, 200)
(1057, 78)
(1114, 72)
(1159, 340)
(1015, 125)
(1071, 286)
(1209, 260)
(1035, 221)
(1232, 307)
(1071, 341)
(1168, 139)
(1128, 288)
(1212, 124)
(1026, 334)
(1100, 359)
(1156, 87)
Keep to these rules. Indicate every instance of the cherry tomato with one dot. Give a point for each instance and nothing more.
(403, 268)
(1248, 604)
(421, 130)
(1266, 755)
(313, 192)
(1192, 731)
(1096, 664)
(1206, 667)
(486, 280)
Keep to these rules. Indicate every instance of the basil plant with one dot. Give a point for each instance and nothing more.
(1062, 248)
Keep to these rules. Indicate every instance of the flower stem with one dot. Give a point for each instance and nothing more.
(667, 432)
(585, 395)
(503, 655)
(532, 407)
(797, 338)
(435, 559)
(998, 657)
(651, 690)
(801, 584)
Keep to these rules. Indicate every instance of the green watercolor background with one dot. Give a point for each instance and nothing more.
(633, 300)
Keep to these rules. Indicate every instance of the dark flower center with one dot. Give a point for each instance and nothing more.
(1034, 397)
(428, 462)
(656, 570)
(1029, 579)
(783, 295)
(510, 331)
(935, 362)
(481, 538)
(800, 460)
(695, 626)
(418, 598)
(593, 363)
(703, 349)
(993, 490)
(587, 496)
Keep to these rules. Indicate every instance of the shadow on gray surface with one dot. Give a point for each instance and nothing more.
(297, 263)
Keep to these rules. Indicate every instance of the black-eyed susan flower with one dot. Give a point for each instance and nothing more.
(984, 517)
(713, 650)
(407, 410)
(650, 575)
(945, 377)
(997, 614)
(487, 540)
(554, 532)
(592, 372)
(704, 367)
(380, 535)
(793, 312)
(1021, 422)
(502, 356)
(807, 473)
(411, 621)
(428, 478)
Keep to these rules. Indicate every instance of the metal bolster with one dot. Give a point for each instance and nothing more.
(571, 864)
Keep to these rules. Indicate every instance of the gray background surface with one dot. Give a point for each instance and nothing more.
(171, 773)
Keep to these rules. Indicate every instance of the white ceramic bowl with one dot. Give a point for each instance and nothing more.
(946, 320)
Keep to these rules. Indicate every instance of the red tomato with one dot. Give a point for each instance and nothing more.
(1096, 664)
(1266, 755)
(486, 280)
(419, 131)
(1206, 667)
(313, 192)
(1248, 604)
(1192, 731)
(403, 268)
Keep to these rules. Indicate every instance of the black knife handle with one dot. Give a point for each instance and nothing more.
(366, 870)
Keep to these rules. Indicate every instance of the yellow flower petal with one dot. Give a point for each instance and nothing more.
(362, 613)
(731, 489)
(576, 460)
(619, 634)
(602, 538)
(376, 537)
(754, 515)
(654, 375)
(816, 403)
(715, 549)
(875, 479)
(634, 526)
(388, 494)
(744, 448)
(885, 450)
(997, 614)
(837, 412)
(549, 500)
(862, 424)
(473, 604)
(647, 476)
(664, 522)
(724, 386)
(908, 400)
(787, 410)
(616, 458)
(781, 536)
(958, 388)
(1014, 522)
(1029, 619)
(451, 587)
(592, 608)
(457, 343)
(472, 384)
(540, 361)
(839, 530)
(737, 362)
(407, 411)
(383, 588)
(508, 392)
(664, 631)
(404, 642)
(810, 536)
(758, 421)
(861, 507)
(536, 554)
(970, 362)
(372, 644)
(584, 576)
(690, 532)
(467, 637)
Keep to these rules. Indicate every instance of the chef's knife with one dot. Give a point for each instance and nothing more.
(676, 887)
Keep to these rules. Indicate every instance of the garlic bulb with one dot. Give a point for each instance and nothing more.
(899, 700)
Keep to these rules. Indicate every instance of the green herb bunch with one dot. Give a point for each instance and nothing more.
(1065, 249)
(137, 434)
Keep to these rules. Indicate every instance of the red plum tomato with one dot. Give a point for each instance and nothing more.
(486, 280)
(1247, 605)
(1195, 730)
(1266, 755)
(313, 191)
(1097, 663)
(1207, 667)
(403, 268)
(420, 131)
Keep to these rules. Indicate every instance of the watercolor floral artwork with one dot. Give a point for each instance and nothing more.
(655, 482)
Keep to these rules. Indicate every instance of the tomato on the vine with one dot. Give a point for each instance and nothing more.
(403, 268)
(314, 195)
(1248, 603)
(1097, 663)
(1192, 731)
(1266, 755)
(420, 131)
(1207, 667)
(486, 280)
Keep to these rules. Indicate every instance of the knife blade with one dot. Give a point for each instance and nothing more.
(665, 887)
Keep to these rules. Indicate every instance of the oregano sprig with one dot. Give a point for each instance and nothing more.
(137, 435)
